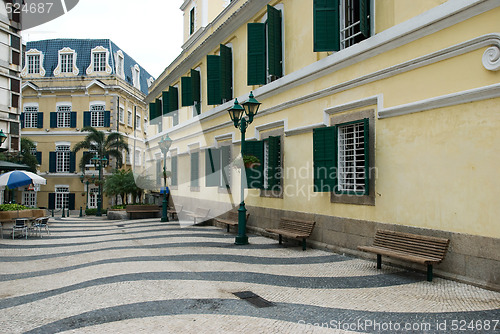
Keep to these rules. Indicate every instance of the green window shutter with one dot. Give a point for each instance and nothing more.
(53, 119)
(52, 201)
(158, 109)
(72, 201)
(173, 178)
(165, 102)
(274, 42)
(173, 98)
(22, 120)
(72, 119)
(274, 162)
(324, 159)
(213, 80)
(212, 167)
(86, 118)
(195, 169)
(187, 91)
(195, 84)
(255, 176)
(364, 17)
(39, 120)
(226, 162)
(152, 113)
(39, 157)
(52, 162)
(256, 62)
(195, 88)
(72, 162)
(326, 25)
(226, 73)
(107, 118)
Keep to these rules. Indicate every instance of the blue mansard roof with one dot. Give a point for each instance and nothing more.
(83, 47)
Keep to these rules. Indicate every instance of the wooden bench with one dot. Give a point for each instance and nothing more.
(174, 211)
(231, 220)
(143, 211)
(410, 247)
(199, 214)
(294, 228)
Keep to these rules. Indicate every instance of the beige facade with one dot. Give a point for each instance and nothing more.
(426, 81)
(58, 104)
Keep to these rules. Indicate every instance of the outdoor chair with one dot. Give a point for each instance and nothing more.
(42, 223)
(20, 225)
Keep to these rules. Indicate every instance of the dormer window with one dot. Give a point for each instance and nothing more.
(119, 64)
(66, 61)
(99, 59)
(136, 75)
(33, 63)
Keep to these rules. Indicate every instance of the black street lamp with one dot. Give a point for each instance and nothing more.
(100, 163)
(165, 144)
(250, 107)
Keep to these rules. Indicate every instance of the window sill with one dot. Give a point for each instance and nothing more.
(272, 193)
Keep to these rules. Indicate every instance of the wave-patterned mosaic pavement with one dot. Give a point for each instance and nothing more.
(100, 276)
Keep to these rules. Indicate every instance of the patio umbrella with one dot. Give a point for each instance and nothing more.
(19, 178)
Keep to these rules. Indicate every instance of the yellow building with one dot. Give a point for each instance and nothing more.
(375, 114)
(69, 84)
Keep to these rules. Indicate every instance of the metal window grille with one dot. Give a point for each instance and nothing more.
(97, 116)
(99, 61)
(62, 197)
(62, 158)
(33, 64)
(349, 23)
(30, 117)
(66, 63)
(93, 193)
(29, 198)
(266, 163)
(63, 116)
(351, 157)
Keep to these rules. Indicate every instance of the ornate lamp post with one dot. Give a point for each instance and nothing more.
(250, 108)
(165, 144)
(99, 162)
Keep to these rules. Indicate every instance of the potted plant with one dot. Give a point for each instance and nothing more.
(251, 161)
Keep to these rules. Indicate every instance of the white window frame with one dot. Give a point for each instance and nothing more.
(29, 198)
(121, 114)
(93, 195)
(62, 158)
(31, 116)
(99, 59)
(98, 64)
(349, 29)
(64, 115)
(119, 66)
(33, 63)
(136, 76)
(97, 115)
(66, 62)
(62, 197)
(27, 70)
(138, 121)
(137, 157)
(350, 141)
(67, 65)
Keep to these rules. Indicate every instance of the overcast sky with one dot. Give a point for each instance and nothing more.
(150, 31)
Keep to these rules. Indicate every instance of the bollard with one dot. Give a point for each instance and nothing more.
(68, 213)
(63, 216)
(52, 212)
(81, 213)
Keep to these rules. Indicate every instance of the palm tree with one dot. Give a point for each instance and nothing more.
(102, 145)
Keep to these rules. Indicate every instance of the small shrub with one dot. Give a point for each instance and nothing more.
(118, 207)
(13, 207)
(93, 212)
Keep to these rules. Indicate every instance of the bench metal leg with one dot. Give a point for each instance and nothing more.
(429, 272)
(304, 244)
(379, 261)
(280, 239)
